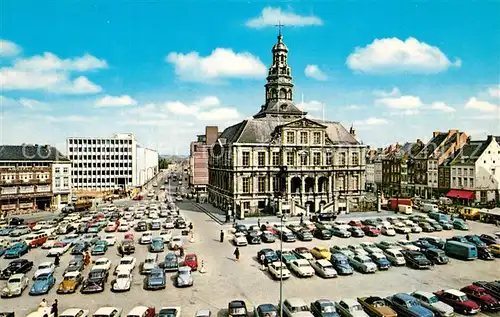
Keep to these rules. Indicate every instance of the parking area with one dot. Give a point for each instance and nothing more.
(226, 280)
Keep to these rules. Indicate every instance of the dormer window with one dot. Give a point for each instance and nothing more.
(283, 106)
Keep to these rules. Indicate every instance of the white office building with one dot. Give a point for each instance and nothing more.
(61, 182)
(108, 163)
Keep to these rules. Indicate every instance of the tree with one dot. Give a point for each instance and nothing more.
(163, 163)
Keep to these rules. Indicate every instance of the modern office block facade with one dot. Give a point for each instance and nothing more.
(101, 164)
(198, 159)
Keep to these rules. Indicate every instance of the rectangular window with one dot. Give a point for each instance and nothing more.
(342, 158)
(304, 138)
(262, 185)
(303, 160)
(290, 137)
(317, 138)
(276, 187)
(246, 184)
(276, 158)
(471, 182)
(66, 182)
(261, 158)
(328, 158)
(246, 158)
(57, 170)
(290, 159)
(355, 158)
(65, 170)
(317, 158)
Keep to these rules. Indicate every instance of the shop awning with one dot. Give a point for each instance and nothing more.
(462, 194)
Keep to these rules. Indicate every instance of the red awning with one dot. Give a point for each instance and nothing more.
(462, 194)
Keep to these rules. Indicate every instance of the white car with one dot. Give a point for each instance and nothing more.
(239, 239)
(44, 268)
(415, 228)
(123, 281)
(127, 261)
(110, 239)
(407, 245)
(302, 268)
(278, 270)
(123, 227)
(59, 249)
(350, 307)
(176, 241)
(102, 263)
(357, 249)
(388, 231)
(395, 257)
(146, 238)
(401, 228)
(296, 307)
(151, 194)
(166, 235)
(108, 312)
(324, 268)
(15, 285)
(74, 312)
(39, 225)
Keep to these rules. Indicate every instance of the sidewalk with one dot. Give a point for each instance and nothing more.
(220, 217)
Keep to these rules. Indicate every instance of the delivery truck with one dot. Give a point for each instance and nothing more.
(81, 205)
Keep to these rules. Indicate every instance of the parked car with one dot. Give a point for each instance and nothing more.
(407, 305)
(16, 251)
(322, 234)
(70, 283)
(44, 268)
(416, 259)
(356, 232)
(321, 252)
(42, 284)
(340, 232)
(157, 245)
(323, 308)
(16, 267)
(395, 257)
(350, 308)
(371, 231)
(263, 310)
(324, 268)
(376, 306)
(489, 239)
(458, 300)
(269, 256)
(237, 308)
(481, 297)
(267, 237)
(302, 268)
(15, 286)
(459, 224)
(492, 288)
(171, 263)
(184, 277)
(95, 282)
(191, 261)
(303, 253)
(278, 270)
(295, 307)
(436, 256)
(341, 264)
(155, 280)
(381, 261)
(239, 239)
(304, 235)
(123, 281)
(432, 302)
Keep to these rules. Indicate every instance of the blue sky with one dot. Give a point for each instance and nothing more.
(165, 69)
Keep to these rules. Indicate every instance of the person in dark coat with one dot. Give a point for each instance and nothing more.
(222, 236)
(57, 260)
(54, 310)
(237, 254)
(120, 251)
(407, 237)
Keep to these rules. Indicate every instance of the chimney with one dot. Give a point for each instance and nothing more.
(352, 131)
(212, 134)
(435, 133)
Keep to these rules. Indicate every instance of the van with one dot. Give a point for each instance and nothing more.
(426, 207)
(460, 250)
(470, 213)
(439, 216)
(405, 209)
(36, 239)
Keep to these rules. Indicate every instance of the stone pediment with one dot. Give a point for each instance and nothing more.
(304, 123)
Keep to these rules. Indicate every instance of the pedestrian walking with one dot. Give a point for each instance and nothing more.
(191, 226)
(237, 254)
(181, 252)
(228, 218)
(407, 237)
(120, 251)
(258, 222)
(43, 303)
(222, 236)
(301, 220)
(57, 260)
(54, 310)
(263, 262)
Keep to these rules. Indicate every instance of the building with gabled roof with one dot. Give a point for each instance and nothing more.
(426, 163)
(475, 171)
(279, 160)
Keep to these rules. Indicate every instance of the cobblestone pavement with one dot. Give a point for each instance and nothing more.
(227, 280)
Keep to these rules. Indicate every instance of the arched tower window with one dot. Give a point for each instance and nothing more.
(274, 93)
(282, 93)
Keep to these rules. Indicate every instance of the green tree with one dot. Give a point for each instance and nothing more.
(163, 163)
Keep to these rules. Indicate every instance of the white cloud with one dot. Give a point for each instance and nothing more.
(8, 48)
(209, 101)
(32, 104)
(79, 86)
(219, 114)
(50, 62)
(26, 103)
(115, 101)
(482, 106)
(393, 93)
(313, 71)
(393, 55)
(221, 63)
(353, 107)
(441, 106)
(70, 118)
(401, 102)
(371, 121)
(273, 16)
(494, 91)
(312, 106)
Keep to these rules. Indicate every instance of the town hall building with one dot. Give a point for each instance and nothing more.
(282, 161)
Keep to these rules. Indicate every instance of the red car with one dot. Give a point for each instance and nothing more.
(479, 295)
(111, 227)
(458, 300)
(191, 260)
(138, 197)
(371, 231)
(355, 223)
(129, 236)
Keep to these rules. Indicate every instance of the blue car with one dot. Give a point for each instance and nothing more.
(381, 261)
(2, 250)
(407, 305)
(6, 231)
(100, 248)
(157, 245)
(341, 264)
(155, 280)
(43, 284)
(17, 250)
